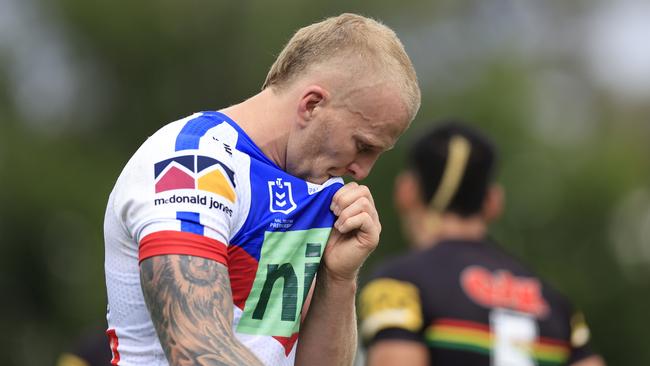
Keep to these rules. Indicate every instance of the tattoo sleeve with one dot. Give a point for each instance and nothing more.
(190, 303)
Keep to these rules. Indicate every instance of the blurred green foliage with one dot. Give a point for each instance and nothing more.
(152, 62)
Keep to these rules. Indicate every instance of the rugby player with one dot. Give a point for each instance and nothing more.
(457, 298)
(222, 222)
(90, 349)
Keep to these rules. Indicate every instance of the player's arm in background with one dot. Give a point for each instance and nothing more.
(328, 335)
(590, 361)
(396, 352)
(581, 353)
(391, 323)
(190, 303)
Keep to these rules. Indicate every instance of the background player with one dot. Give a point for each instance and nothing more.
(90, 349)
(458, 299)
(224, 216)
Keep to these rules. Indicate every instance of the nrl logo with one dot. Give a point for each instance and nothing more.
(281, 199)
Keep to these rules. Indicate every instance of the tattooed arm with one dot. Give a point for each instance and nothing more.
(190, 303)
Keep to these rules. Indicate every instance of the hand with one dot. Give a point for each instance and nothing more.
(355, 233)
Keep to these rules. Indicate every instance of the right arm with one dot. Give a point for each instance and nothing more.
(590, 361)
(190, 303)
(395, 352)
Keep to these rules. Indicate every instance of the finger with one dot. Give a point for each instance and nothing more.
(364, 224)
(345, 197)
(342, 192)
(362, 204)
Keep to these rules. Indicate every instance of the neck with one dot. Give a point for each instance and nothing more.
(426, 228)
(421, 228)
(265, 120)
(455, 227)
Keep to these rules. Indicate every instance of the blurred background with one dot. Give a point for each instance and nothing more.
(563, 88)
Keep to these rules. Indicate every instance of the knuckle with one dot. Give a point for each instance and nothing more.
(365, 203)
(347, 188)
(364, 189)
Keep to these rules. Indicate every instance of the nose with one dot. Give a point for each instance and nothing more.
(359, 170)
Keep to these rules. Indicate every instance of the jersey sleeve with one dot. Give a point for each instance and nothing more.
(390, 309)
(180, 202)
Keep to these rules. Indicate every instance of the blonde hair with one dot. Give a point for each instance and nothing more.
(338, 38)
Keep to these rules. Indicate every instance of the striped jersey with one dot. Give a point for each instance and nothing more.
(200, 186)
(470, 303)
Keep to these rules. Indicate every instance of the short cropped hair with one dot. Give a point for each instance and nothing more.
(341, 36)
(430, 159)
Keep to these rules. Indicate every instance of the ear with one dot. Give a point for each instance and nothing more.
(312, 97)
(407, 192)
(493, 203)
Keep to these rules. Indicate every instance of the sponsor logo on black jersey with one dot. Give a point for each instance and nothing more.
(503, 289)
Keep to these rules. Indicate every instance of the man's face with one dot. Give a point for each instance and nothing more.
(345, 138)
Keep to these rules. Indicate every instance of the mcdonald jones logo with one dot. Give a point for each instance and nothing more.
(195, 172)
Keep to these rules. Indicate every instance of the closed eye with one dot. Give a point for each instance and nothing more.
(363, 147)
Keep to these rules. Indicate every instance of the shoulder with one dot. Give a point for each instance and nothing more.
(177, 146)
(187, 175)
(191, 153)
(407, 265)
(391, 300)
(423, 266)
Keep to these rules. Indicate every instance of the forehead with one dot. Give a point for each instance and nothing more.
(381, 114)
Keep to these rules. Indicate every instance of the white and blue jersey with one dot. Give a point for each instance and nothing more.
(200, 186)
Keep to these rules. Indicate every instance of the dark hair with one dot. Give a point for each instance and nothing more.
(429, 158)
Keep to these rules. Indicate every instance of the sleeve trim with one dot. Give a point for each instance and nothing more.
(182, 243)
